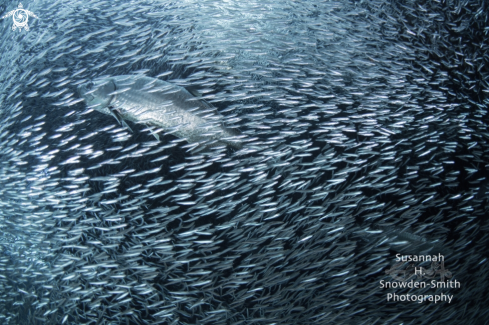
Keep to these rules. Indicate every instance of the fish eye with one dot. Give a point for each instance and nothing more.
(89, 85)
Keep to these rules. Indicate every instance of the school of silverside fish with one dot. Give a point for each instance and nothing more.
(362, 130)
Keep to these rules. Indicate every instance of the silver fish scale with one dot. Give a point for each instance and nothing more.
(169, 109)
(157, 103)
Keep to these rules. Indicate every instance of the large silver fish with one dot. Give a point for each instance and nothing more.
(158, 103)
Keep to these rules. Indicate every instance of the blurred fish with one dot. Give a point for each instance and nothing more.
(159, 103)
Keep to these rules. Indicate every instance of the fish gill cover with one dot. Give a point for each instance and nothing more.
(364, 135)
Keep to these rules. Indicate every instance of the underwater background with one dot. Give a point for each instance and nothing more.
(365, 135)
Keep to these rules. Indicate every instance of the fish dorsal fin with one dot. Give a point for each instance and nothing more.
(194, 91)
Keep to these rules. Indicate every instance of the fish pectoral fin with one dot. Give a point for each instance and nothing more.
(115, 116)
(156, 135)
(126, 125)
(119, 119)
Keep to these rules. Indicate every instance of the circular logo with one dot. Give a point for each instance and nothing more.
(20, 18)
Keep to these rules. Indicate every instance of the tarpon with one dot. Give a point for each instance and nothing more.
(158, 103)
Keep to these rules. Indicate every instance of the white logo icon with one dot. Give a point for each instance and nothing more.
(20, 17)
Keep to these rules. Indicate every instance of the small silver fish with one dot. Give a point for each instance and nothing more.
(158, 103)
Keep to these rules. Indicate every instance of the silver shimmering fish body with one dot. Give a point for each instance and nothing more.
(159, 103)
